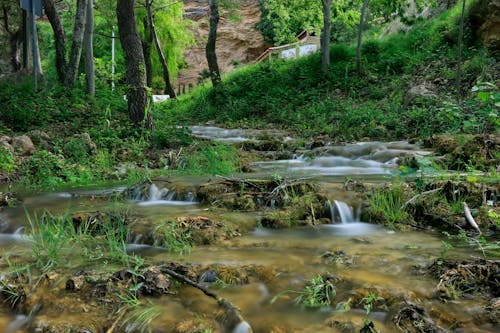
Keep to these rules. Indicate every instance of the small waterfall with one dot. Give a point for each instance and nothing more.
(164, 196)
(344, 212)
(156, 194)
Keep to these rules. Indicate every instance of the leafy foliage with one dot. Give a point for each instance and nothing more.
(283, 20)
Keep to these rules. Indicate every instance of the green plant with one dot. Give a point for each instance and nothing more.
(136, 316)
(173, 238)
(318, 292)
(57, 238)
(211, 159)
(7, 161)
(388, 205)
(368, 304)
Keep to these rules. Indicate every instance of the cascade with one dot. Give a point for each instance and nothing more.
(164, 196)
(343, 211)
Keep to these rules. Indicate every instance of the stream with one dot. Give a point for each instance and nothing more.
(361, 258)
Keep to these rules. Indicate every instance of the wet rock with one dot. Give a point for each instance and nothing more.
(23, 144)
(420, 93)
(208, 277)
(412, 318)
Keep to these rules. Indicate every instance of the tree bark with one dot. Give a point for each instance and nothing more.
(89, 49)
(146, 51)
(15, 38)
(459, 60)
(325, 35)
(213, 66)
(134, 62)
(59, 38)
(360, 36)
(77, 44)
(166, 74)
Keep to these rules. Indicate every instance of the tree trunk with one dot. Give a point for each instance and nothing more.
(89, 49)
(59, 38)
(459, 61)
(213, 66)
(360, 36)
(15, 38)
(146, 51)
(77, 44)
(134, 62)
(325, 35)
(15, 49)
(166, 74)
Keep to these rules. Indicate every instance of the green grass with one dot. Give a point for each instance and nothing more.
(58, 241)
(173, 238)
(295, 95)
(387, 205)
(318, 292)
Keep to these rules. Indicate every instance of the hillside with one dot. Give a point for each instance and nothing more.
(379, 104)
(238, 41)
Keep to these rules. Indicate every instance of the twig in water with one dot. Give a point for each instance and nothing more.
(233, 317)
(469, 218)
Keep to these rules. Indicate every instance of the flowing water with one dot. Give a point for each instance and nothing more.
(364, 258)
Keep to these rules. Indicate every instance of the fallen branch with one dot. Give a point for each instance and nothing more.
(469, 218)
(415, 197)
(232, 317)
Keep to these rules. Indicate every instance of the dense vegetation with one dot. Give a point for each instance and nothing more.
(109, 257)
(294, 95)
(349, 107)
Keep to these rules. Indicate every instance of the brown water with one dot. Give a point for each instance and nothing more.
(367, 258)
(373, 259)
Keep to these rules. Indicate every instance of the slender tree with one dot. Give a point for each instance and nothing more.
(325, 35)
(137, 95)
(67, 71)
(59, 37)
(213, 66)
(89, 49)
(459, 60)
(147, 43)
(360, 35)
(166, 74)
(77, 44)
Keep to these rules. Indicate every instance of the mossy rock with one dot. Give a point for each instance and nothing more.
(480, 151)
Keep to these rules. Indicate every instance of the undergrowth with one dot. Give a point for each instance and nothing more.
(294, 95)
